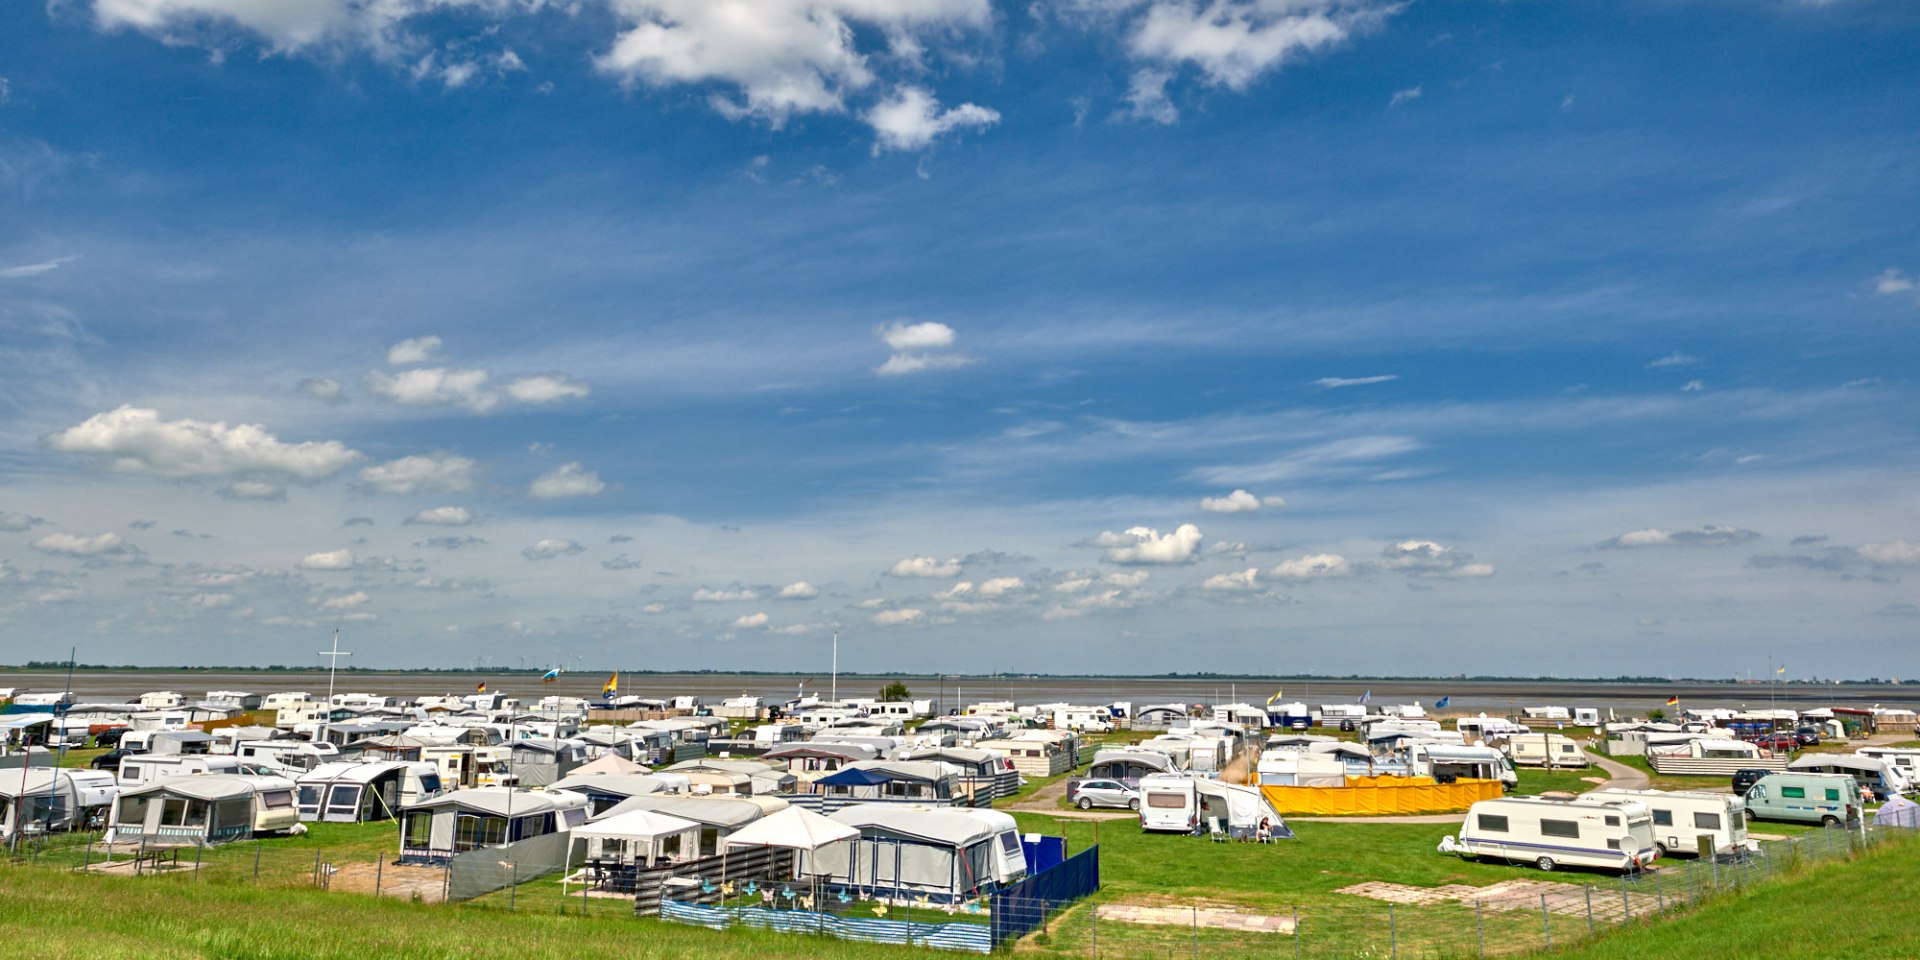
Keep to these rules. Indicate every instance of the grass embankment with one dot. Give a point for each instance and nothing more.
(1862, 908)
(68, 917)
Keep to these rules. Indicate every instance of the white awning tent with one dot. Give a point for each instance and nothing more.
(608, 763)
(641, 836)
(795, 828)
(1898, 812)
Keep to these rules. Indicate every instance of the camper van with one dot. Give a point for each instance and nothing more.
(1823, 798)
(1545, 750)
(1904, 759)
(287, 754)
(1608, 834)
(1685, 822)
(1167, 803)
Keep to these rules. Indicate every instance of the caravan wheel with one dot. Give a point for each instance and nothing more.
(1544, 863)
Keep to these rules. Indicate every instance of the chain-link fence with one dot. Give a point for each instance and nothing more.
(1527, 911)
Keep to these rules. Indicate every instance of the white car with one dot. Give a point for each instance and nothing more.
(1087, 794)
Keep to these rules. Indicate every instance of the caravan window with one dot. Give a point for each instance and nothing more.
(1166, 801)
(343, 797)
(129, 772)
(309, 795)
(1664, 818)
(1492, 824)
(1613, 821)
(1833, 794)
(133, 810)
(470, 832)
(1560, 828)
(1707, 821)
(276, 799)
(417, 831)
(1009, 843)
(1793, 793)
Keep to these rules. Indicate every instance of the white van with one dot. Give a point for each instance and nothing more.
(1608, 834)
(142, 769)
(1168, 803)
(1545, 750)
(1681, 818)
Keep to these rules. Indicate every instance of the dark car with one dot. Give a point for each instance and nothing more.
(110, 761)
(110, 737)
(1808, 736)
(1746, 778)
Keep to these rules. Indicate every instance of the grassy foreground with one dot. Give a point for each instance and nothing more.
(1862, 908)
(67, 917)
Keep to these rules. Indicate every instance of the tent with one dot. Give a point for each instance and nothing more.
(608, 763)
(1898, 812)
(622, 838)
(794, 828)
(1240, 808)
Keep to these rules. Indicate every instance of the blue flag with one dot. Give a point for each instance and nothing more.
(550, 676)
(1366, 696)
(1441, 704)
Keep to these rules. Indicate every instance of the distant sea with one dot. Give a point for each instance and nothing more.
(1494, 697)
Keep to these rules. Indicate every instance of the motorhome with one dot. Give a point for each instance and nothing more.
(287, 754)
(293, 715)
(1447, 763)
(1608, 834)
(1486, 729)
(1824, 798)
(1545, 750)
(1904, 759)
(1688, 822)
(1874, 774)
(1083, 719)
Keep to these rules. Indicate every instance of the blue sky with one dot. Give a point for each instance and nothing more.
(1421, 337)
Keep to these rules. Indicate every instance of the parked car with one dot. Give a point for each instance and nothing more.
(109, 738)
(1778, 742)
(1087, 794)
(1742, 779)
(1808, 736)
(110, 761)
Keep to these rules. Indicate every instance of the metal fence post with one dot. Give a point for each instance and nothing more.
(1196, 928)
(1393, 931)
(1545, 922)
(513, 883)
(199, 850)
(1296, 930)
(1660, 898)
(256, 861)
(379, 872)
(1588, 887)
(89, 864)
(142, 855)
(1626, 909)
(1093, 927)
(1480, 926)
(316, 867)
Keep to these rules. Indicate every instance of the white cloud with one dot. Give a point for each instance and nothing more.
(1432, 559)
(1893, 553)
(900, 335)
(1234, 42)
(325, 389)
(567, 480)
(1244, 580)
(1408, 95)
(798, 590)
(1693, 386)
(74, 545)
(443, 472)
(731, 595)
(894, 618)
(1239, 501)
(252, 490)
(328, 560)
(412, 352)
(1892, 281)
(1127, 578)
(211, 601)
(344, 602)
(1673, 360)
(136, 440)
(1312, 567)
(1147, 97)
(784, 57)
(24, 270)
(433, 387)
(547, 388)
(1711, 535)
(1335, 383)
(552, 547)
(1147, 545)
(1331, 460)
(18, 522)
(911, 119)
(925, 567)
(443, 517)
(1001, 586)
(751, 620)
(901, 364)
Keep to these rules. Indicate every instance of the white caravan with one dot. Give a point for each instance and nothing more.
(1545, 750)
(1168, 803)
(1682, 819)
(1612, 835)
(299, 755)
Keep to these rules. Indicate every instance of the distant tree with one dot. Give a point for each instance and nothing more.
(895, 691)
(1656, 715)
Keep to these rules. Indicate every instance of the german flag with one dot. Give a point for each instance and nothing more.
(1673, 701)
(482, 688)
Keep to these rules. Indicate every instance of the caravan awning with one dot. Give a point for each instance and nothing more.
(855, 777)
(643, 825)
